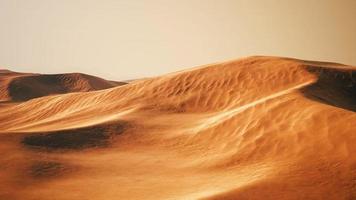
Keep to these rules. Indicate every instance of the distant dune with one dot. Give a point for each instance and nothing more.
(253, 128)
(24, 86)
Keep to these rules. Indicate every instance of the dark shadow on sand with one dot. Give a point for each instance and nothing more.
(48, 169)
(74, 139)
(336, 87)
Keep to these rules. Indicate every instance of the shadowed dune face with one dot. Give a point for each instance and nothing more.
(336, 87)
(6, 76)
(254, 128)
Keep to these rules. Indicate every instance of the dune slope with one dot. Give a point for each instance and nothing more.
(253, 128)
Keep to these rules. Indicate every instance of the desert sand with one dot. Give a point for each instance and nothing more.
(253, 128)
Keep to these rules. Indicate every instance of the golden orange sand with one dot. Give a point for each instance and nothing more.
(253, 128)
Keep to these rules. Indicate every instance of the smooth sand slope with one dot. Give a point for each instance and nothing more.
(253, 128)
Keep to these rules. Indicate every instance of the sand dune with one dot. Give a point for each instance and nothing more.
(253, 128)
(24, 86)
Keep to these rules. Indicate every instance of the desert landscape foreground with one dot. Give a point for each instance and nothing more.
(253, 128)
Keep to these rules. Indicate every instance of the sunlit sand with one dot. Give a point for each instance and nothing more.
(252, 128)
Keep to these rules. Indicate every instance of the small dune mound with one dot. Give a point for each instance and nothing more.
(5, 71)
(22, 87)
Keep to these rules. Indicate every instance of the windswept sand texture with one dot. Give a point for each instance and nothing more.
(254, 128)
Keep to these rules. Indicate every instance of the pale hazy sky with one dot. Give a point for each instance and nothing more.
(119, 39)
